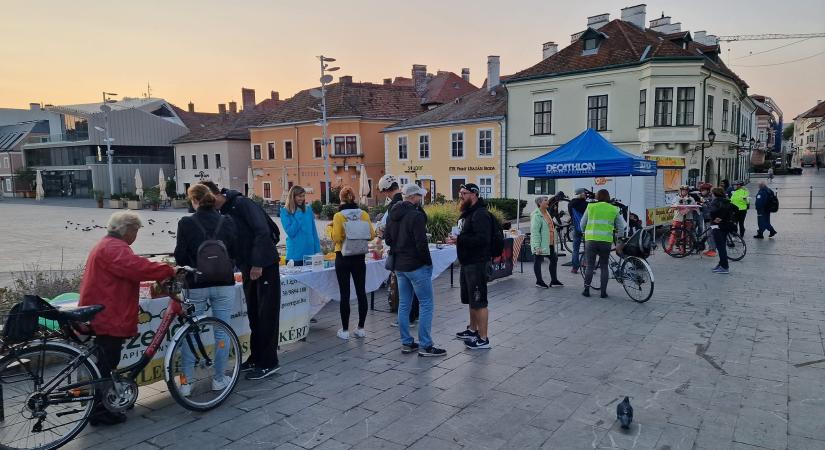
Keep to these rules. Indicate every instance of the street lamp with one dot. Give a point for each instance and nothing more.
(106, 109)
(711, 140)
(325, 79)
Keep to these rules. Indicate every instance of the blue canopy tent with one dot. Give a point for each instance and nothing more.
(587, 155)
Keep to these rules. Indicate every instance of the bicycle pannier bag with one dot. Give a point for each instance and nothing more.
(638, 245)
(21, 322)
(356, 233)
(215, 267)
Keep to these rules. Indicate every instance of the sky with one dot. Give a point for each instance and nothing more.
(205, 51)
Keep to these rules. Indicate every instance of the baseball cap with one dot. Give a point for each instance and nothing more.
(580, 191)
(472, 187)
(413, 189)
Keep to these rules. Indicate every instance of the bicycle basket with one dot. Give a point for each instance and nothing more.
(21, 323)
(639, 245)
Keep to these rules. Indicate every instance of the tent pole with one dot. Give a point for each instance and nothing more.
(518, 206)
(629, 206)
(655, 199)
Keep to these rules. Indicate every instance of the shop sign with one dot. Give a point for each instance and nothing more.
(659, 216)
(471, 168)
(413, 169)
(579, 167)
(667, 161)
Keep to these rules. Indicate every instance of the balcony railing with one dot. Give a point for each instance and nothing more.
(71, 136)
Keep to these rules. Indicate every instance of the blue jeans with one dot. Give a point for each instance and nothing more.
(420, 282)
(577, 243)
(220, 298)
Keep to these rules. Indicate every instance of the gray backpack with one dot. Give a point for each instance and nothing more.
(356, 233)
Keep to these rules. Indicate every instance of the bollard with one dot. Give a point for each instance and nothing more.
(811, 198)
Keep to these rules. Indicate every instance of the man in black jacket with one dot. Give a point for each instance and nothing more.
(406, 235)
(474, 253)
(257, 257)
(388, 185)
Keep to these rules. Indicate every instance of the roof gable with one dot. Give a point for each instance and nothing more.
(478, 105)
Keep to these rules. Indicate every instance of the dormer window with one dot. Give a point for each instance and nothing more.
(591, 40)
(590, 44)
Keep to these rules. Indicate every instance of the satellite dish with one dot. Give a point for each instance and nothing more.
(326, 79)
(316, 92)
(105, 108)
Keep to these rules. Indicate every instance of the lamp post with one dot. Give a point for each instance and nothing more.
(325, 79)
(106, 109)
(711, 140)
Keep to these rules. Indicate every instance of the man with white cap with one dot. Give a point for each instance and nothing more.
(406, 234)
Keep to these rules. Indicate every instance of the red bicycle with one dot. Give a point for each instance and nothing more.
(49, 381)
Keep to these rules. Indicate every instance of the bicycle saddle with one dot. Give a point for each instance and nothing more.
(79, 314)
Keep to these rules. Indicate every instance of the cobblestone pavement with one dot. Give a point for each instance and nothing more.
(710, 362)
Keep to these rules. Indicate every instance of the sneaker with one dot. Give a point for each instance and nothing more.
(556, 283)
(466, 334)
(185, 390)
(343, 334)
(247, 365)
(432, 351)
(772, 234)
(221, 384)
(542, 284)
(394, 323)
(260, 374)
(574, 270)
(710, 253)
(758, 236)
(359, 333)
(409, 348)
(718, 269)
(477, 343)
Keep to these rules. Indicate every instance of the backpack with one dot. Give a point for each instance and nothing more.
(215, 267)
(356, 234)
(21, 323)
(773, 202)
(496, 237)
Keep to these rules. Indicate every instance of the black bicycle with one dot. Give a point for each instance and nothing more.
(687, 239)
(632, 272)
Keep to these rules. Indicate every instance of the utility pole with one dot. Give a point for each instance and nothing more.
(325, 79)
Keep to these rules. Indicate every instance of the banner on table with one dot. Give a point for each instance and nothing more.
(659, 216)
(503, 264)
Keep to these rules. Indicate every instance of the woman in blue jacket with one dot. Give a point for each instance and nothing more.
(299, 224)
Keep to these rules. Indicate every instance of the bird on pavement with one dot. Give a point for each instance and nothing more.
(624, 413)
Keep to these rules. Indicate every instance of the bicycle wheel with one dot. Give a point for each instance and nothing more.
(203, 364)
(563, 236)
(636, 277)
(681, 245)
(33, 420)
(736, 247)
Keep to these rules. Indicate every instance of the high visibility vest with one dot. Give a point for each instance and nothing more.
(740, 198)
(601, 218)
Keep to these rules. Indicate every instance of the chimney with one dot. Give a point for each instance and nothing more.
(635, 15)
(233, 107)
(660, 23)
(275, 96)
(345, 79)
(549, 49)
(598, 21)
(34, 106)
(465, 73)
(493, 70)
(419, 76)
(191, 107)
(700, 37)
(222, 108)
(248, 99)
(387, 81)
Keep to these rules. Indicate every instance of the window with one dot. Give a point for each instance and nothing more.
(541, 187)
(402, 147)
(709, 121)
(218, 161)
(485, 142)
(725, 106)
(485, 187)
(424, 146)
(457, 144)
(403, 181)
(590, 44)
(642, 107)
(346, 145)
(8, 185)
(597, 112)
(270, 150)
(542, 117)
(194, 162)
(205, 161)
(267, 190)
(684, 105)
(256, 151)
(287, 149)
(182, 162)
(664, 107)
(318, 148)
(6, 162)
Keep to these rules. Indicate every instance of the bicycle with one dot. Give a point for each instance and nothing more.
(688, 240)
(49, 382)
(632, 272)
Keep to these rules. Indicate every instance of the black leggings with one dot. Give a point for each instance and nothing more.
(355, 266)
(539, 260)
(740, 220)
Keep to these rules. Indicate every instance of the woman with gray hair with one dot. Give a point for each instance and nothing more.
(112, 278)
(543, 241)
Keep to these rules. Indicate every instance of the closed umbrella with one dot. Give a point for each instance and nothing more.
(162, 186)
(250, 180)
(138, 184)
(364, 185)
(39, 189)
(284, 186)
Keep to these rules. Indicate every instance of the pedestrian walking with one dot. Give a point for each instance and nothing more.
(765, 202)
(576, 208)
(722, 213)
(214, 288)
(473, 245)
(406, 234)
(299, 224)
(542, 242)
(600, 221)
(740, 197)
(257, 257)
(351, 232)
(770, 174)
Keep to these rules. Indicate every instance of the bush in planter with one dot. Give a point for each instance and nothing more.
(441, 218)
(440, 198)
(376, 210)
(115, 196)
(152, 197)
(327, 211)
(498, 214)
(508, 206)
(316, 207)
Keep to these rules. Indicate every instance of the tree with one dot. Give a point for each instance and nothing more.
(787, 133)
(25, 177)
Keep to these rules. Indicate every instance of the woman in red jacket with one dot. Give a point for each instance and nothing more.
(112, 279)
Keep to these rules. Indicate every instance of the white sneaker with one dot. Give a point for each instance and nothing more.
(219, 385)
(186, 390)
(343, 334)
(360, 332)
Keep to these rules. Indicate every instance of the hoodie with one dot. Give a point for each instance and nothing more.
(257, 233)
(473, 244)
(406, 234)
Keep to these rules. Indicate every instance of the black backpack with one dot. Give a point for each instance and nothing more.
(215, 267)
(773, 202)
(496, 237)
(21, 323)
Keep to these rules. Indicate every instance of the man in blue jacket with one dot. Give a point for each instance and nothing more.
(763, 211)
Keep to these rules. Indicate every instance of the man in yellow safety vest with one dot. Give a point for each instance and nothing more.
(600, 221)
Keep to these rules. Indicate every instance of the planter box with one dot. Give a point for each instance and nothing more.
(115, 204)
(177, 203)
(134, 204)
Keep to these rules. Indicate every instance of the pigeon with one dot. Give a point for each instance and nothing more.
(624, 413)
